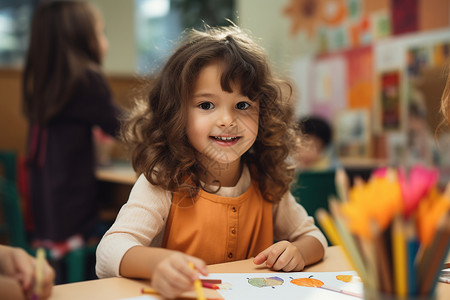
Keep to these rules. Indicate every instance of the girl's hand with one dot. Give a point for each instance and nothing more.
(19, 265)
(173, 276)
(48, 278)
(281, 256)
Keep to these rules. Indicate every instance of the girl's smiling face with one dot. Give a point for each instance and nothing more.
(221, 126)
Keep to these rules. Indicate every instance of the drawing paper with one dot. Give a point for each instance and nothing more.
(278, 285)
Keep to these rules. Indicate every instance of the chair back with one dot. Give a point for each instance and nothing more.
(312, 190)
(12, 215)
(8, 165)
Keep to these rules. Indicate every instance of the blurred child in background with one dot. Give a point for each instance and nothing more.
(65, 95)
(315, 150)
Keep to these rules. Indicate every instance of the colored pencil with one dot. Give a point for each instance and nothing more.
(426, 254)
(368, 252)
(150, 291)
(212, 281)
(197, 285)
(210, 285)
(342, 184)
(439, 250)
(348, 241)
(328, 226)
(412, 246)
(39, 275)
(399, 256)
(382, 257)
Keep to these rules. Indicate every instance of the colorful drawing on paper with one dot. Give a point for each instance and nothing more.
(265, 282)
(307, 281)
(344, 278)
(289, 285)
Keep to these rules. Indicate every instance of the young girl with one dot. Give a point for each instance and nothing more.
(211, 141)
(65, 95)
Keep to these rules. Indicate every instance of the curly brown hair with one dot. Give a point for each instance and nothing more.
(445, 100)
(156, 128)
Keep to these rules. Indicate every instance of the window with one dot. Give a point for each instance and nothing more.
(159, 24)
(15, 19)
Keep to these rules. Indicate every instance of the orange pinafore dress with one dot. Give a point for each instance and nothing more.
(220, 229)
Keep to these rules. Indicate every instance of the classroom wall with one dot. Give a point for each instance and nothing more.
(263, 18)
(268, 25)
(118, 16)
(13, 126)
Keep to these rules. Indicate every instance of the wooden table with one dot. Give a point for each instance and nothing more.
(117, 288)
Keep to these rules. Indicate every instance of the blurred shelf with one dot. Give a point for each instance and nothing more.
(356, 163)
(117, 172)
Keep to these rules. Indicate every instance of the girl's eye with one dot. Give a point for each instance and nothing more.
(242, 105)
(206, 105)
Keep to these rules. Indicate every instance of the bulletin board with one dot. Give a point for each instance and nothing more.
(421, 60)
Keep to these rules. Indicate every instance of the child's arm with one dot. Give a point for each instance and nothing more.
(301, 242)
(169, 270)
(140, 222)
(131, 247)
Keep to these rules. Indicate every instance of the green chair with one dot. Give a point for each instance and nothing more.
(313, 188)
(75, 260)
(12, 216)
(8, 165)
(8, 171)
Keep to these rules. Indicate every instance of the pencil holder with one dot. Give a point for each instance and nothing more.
(394, 230)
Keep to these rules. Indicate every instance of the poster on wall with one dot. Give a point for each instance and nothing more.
(417, 58)
(405, 16)
(390, 100)
(353, 133)
(328, 91)
(441, 53)
(360, 74)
